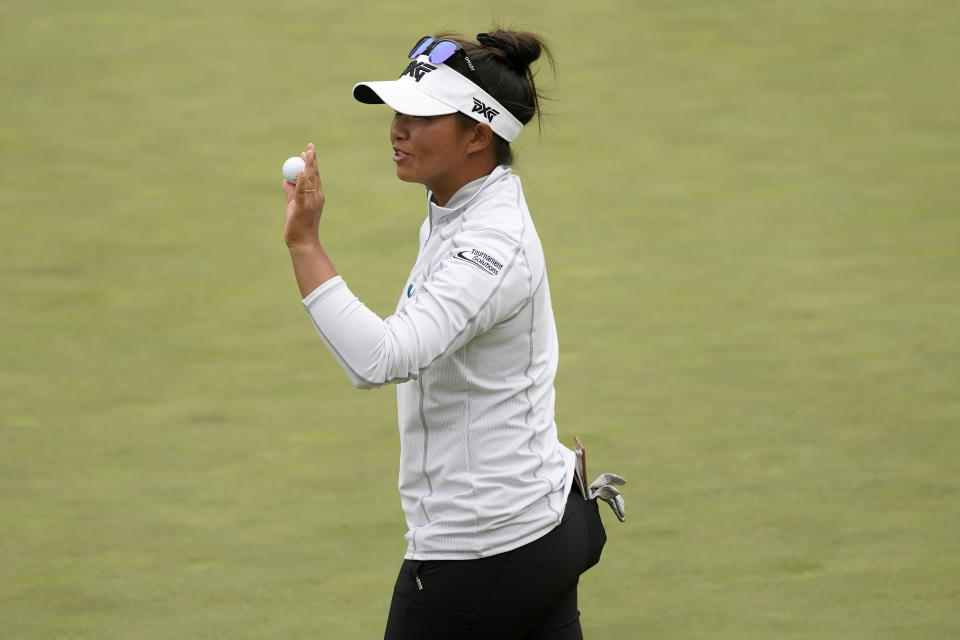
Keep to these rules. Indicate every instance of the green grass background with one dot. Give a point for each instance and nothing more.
(750, 214)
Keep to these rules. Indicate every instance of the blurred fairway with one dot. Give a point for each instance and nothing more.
(750, 214)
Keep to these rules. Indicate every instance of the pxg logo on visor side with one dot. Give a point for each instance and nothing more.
(484, 110)
(417, 70)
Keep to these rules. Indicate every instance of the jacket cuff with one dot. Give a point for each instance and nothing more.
(323, 291)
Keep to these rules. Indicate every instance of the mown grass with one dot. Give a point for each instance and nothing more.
(750, 217)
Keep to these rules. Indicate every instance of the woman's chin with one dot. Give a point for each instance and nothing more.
(404, 175)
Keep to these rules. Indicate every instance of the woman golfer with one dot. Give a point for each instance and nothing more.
(499, 532)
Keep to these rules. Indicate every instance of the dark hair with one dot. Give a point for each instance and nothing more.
(501, 67)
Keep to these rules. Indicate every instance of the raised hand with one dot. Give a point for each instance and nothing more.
(304, 203)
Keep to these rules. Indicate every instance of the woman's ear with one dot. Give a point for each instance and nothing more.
(482, 138)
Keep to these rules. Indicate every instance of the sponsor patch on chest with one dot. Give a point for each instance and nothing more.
(480, 259)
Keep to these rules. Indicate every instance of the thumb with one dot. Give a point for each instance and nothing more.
(289, 190)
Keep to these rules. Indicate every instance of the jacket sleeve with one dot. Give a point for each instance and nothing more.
(481, 281)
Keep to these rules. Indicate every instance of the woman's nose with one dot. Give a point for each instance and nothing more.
(398, 127)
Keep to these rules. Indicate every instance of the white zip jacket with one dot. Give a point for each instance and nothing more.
(474, 345)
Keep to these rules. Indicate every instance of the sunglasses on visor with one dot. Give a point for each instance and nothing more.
(438, 51)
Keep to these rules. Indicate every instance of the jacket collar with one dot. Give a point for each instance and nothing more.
(464, 195)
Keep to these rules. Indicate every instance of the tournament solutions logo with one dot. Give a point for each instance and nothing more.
(483, 261)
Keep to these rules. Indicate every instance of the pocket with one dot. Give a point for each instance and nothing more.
(406, 585)
(443, 605)
(598, 535)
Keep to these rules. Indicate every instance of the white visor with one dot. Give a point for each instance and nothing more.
(428, 89)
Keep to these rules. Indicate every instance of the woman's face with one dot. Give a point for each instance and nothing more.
(430, 150)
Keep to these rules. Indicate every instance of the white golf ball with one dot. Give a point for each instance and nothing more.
(292, 168)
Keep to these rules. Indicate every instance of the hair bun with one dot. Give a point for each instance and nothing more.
(489, 41)
(519, 49)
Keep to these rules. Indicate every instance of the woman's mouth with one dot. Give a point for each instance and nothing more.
(399, 155)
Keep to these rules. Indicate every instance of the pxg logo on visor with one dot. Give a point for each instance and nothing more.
(487, 112)
(417, 70)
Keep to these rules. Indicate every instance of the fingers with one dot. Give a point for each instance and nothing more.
(289, 190)
(606, 492)
(309, 178)
(311, 171)
(300, 190)
(613, 498)
(607, 478)
(619, 508)
(605, 488)
(308, 188)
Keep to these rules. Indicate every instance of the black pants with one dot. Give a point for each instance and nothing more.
(528, 593)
